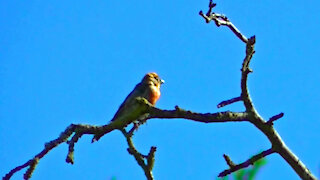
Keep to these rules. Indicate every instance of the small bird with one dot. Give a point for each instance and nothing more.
(148, 88)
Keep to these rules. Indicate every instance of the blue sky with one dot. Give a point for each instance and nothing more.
(63, 62)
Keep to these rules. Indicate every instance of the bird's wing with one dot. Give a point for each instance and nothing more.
(140, 90)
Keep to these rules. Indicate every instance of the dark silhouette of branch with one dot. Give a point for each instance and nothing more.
(267, 128)
(274, 118)
(147, 165)
(147, 111)
(230, 163)
(251, 161)
(230, 101)
(221, 20)
(78, 130)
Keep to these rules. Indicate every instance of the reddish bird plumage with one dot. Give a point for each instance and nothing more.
(148, 88)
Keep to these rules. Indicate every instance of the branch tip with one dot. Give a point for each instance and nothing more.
(230, 101)
(31, 168)
(252, 39)
(70, 157)
(221, 19)
(153, 149)
(150, 157)
(274, 118)
(211, 5)
(228, 161)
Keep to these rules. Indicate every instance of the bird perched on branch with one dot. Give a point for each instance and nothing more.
(130, 110)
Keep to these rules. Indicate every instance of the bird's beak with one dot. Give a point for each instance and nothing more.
(162, 81)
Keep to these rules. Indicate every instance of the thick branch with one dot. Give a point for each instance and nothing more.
(245, 70)
(78, 130)
(98, 131)
(277, 143)
(226, 116)
(279, 146)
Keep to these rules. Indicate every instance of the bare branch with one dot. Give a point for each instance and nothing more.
(32, 167)
(70, 155)
(134, 128)
(230, 101)
(211, 6)
(32, 163)
(228, 161)
(78, 130)
(150, 157)
(245, 164)
(245, 70)
(278, 144)
(144, 111)
(221, 20)
(226, 116)
(140, 158)
(274, 118)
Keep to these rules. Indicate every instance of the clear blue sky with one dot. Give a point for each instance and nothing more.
(64, 62)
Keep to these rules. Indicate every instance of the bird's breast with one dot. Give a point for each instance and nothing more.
(154, 94)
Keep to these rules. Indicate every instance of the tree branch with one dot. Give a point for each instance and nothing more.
(230, 101)
(251, 161)
(278, 144)
(146, 166)
(274, 118)
(178, 113)
(245, 70)
(221, 20)
(149, 112)
(78, 129)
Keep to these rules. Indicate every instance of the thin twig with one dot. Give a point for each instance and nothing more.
(228, 160)
(245, 164)
(222, 20)
(211, 6)
(274, 118)
(230, 101)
